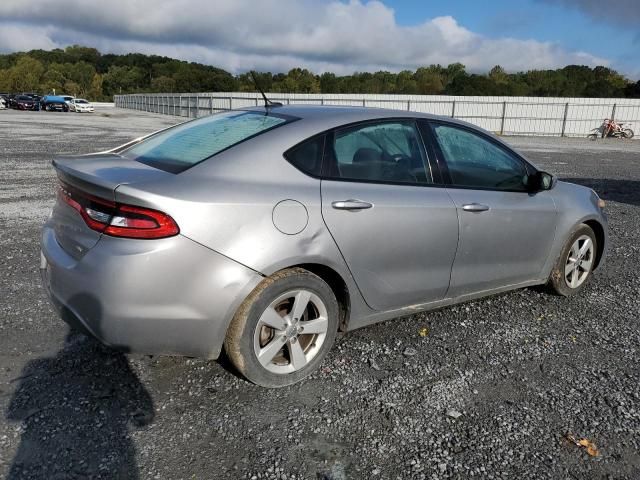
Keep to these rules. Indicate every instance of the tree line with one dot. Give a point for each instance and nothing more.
(85, 72)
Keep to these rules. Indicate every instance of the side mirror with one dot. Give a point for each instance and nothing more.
(540, 181)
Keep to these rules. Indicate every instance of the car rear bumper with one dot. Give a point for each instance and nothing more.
(171, 296)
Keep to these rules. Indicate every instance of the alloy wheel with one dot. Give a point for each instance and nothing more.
(579, 261)
(291, 331)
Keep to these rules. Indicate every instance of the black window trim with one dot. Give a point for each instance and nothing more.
(442, 162)
(287, 153)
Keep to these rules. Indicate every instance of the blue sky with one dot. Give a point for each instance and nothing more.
(342, 36)
(568, 24)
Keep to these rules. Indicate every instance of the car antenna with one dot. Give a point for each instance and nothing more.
(267, 103)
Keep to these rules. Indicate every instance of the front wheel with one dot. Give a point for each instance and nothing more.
(628, 133)
(575, 264)
(284, 329)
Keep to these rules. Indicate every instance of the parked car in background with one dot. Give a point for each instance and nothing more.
(10, 100)
(269, 229)
(67, 98)
(53, 103)
(37, 98)
(80, 105)
(25, 102)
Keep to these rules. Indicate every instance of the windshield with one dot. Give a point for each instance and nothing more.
(185, 145)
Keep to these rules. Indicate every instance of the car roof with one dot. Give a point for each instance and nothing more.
(325, 117)
(315, 119)
(340, 111)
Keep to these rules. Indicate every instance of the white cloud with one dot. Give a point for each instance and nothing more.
(271, 35)
(15, 38)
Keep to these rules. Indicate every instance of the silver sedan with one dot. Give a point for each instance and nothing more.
(266, 231)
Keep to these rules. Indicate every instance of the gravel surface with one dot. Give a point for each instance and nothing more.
(498, 388)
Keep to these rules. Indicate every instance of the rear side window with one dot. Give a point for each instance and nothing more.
(389, 151)
(307, 156)
(185, 145)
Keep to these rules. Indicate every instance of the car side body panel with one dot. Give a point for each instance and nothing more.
(244, 215)
(504, 245)
(400, 250)
(216, 206)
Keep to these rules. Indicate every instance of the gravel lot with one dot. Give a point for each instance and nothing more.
(492, 390)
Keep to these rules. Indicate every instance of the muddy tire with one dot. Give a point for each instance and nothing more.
(574, 266)
(284, 329)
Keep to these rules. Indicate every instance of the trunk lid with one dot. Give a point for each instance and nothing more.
(97, 175)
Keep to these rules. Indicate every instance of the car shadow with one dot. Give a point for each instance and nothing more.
(621, 191)
(76, 410)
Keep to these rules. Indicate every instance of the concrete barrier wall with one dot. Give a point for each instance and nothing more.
(552, 116)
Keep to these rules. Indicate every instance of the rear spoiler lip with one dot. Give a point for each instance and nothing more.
(89, 183)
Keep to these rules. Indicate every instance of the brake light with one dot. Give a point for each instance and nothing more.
(117, 219)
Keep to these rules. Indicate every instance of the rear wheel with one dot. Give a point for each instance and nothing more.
(284, 329)
(628, 133)
(576, 262)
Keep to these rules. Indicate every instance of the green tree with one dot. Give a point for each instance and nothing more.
(299, 80)
(78, 53)
(26, 74)
(329, 83)
(95, 91)
(85, 71)
(72, 88)
(163, 84)
(81, 73)
(5, 80)
(429, 80)
(53, 79)
(498, 75)
(406, 83)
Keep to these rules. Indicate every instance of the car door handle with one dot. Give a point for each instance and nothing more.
(351, 205)
(475, 207)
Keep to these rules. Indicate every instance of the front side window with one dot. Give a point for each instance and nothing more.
(389, 151)
(185, 145)
(474, 161)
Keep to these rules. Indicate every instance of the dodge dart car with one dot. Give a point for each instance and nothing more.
(266, 231)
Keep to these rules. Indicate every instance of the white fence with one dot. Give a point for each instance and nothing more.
(503, 115)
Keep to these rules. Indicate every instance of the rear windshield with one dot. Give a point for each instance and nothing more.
(185, 145)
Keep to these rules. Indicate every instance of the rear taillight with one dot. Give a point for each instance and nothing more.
(117, 219)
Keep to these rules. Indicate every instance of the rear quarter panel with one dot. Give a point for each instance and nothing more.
(227, 204)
